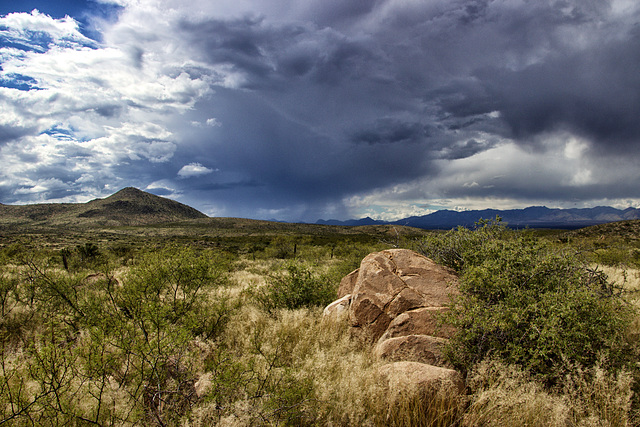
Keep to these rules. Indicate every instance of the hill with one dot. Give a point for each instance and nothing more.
(131, 206)
(131, 213)
(128, 206)
(626, 230)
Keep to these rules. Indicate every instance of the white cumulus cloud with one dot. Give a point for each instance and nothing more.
(193, 169)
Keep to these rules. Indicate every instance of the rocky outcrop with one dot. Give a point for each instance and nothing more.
(397, 298)
(393, 282)
(347, 283)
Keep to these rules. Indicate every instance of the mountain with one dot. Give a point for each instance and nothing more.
(131, 206)
(533, 217)
(128, 206)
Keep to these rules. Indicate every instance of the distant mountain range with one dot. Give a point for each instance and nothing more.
(532, 217)
(132, 207)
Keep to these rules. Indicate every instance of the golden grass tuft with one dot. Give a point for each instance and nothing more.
(442, 409)
(504, 395)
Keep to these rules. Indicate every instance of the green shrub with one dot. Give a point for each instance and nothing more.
(615, 256)
(295, 287)
(282, 247)
(82, 257)
(526, 304)
(173, 286)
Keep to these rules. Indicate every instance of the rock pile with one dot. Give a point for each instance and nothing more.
(395, 298)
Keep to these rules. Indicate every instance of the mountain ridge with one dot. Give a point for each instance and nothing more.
(532, 216)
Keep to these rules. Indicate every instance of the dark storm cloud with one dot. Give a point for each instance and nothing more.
(593, 90)
(373, 95)
(389, 131)
(272, 55)
(338, 13)
(596, 94)
(464, 149)
(238, 43)
(261, 145)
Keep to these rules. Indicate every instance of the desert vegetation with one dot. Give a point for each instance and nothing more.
(169, 325)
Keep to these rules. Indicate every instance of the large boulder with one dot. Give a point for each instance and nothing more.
(413, 348)
(394, 281)
(407, 378)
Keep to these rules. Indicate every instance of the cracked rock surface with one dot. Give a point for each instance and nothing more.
(392, 282)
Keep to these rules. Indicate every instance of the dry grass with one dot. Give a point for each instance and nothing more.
(341, 369)
(629, 280)
(347, 388)
(299, 345)
(442, 409)
(506, 396)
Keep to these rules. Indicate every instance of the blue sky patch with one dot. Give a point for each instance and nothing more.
(18, 81)
(60, 133)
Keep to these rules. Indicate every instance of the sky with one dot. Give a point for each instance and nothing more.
(298, 110)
